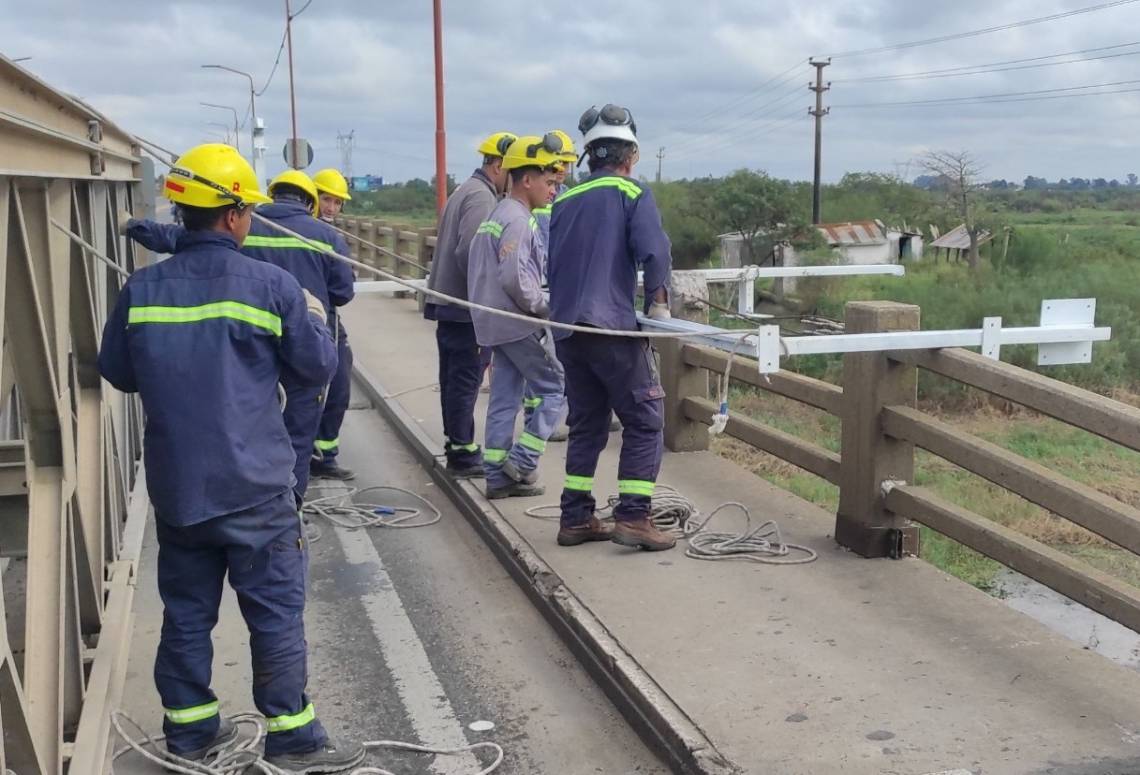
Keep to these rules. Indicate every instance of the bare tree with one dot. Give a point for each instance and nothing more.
(958, 173)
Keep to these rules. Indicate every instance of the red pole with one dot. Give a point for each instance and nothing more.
(292, 96)
(440, 132)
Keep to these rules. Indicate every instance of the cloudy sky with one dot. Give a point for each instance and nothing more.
(721, 84)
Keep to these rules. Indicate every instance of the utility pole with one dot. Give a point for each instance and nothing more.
(818, 113)
(660, 158)
(292, 95)
(440, 130)
(344, 144)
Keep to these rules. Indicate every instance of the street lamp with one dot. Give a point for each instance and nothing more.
(255, 153)
(237, 142)
(226, 127)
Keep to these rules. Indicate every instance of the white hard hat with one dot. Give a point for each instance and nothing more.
(612, 122)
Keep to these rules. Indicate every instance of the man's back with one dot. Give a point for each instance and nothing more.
(466, 208)
(327, 278)
(203, 337)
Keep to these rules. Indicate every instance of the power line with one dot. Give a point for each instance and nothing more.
(765, 129)
(983, 31)
(762, 113)
(303, 9)
(276, 62)
(996, 67)
(1000, 97)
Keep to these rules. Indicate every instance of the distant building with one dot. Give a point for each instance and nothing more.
(857, 243)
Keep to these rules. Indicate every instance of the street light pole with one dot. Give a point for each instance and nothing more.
(440, 128)
(237, 140)
(292, 96)
(255, 153)
(226, 127)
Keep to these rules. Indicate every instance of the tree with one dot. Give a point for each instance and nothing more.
(959, 171)
(758, 206)
(1132, 180)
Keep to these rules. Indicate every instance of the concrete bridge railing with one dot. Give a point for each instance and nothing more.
(881, 427)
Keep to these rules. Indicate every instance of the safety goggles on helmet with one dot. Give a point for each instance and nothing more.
(236, 198)
(551, 143)
(503, 143)
(613, 115)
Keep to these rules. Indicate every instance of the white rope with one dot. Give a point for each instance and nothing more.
(244, 755)
(670, 510)
(764, 544)
(345, 509)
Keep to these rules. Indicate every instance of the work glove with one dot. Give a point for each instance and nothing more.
(124, 221)
(316, 309)
(659, 310)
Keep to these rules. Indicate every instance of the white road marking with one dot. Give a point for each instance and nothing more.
(428, 707)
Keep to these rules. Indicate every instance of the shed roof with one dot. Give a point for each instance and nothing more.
(959, 239)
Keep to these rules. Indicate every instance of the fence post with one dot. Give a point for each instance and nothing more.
(871, 381)
(367, 254)
(426, 253)
(680, 381)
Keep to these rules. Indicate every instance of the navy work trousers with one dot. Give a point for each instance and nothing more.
(263, 551)
(303, 408)
(605, 374)
(327, 444)
(461, 367)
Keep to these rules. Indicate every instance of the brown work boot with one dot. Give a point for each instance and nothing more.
(594, 530)
(642, 534)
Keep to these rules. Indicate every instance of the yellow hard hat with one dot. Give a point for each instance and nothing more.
(300, 180)
(329, 181)
(569, 155)
(534, 151)
(496, 144)
(212, 175)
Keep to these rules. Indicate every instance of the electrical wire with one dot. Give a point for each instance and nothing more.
(244, 755)
(763, 544)
(276, 63)
(747, 122)
(982, 31)
(996, 67)
(345, 508)
(999, 97)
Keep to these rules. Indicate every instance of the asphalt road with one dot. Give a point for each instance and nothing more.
(414, 635)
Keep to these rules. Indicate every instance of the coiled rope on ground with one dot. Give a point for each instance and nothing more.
(345, 508)
(243, 755)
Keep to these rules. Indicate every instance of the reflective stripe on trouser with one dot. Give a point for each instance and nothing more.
(532, 362)
(261, 550)
(303, 407)
(532, 402)
(603, 374)
(336, 402)
(461, 367)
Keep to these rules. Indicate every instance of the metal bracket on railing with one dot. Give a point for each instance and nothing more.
(1065, 336)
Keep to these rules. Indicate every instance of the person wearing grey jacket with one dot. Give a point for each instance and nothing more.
(507, 259)
(461, 363)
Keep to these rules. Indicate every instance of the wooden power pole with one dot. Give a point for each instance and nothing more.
(819, 112)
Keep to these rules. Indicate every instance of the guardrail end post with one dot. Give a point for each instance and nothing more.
(871, 381)
(680, 380)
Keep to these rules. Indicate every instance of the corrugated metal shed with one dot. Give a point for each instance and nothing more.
(853, 233)
(959, 239)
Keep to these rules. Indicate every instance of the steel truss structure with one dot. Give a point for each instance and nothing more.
(72, 501)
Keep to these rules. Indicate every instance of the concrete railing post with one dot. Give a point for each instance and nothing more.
(871, 381)
(681, 381)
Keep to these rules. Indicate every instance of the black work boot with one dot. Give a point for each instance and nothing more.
(329, 758)
(515, 490)
(465, 470)
(328, 469)
(226, 735)
(525, 477)
(642, 534)
(594, 530)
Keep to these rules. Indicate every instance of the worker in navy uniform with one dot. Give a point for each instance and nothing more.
(203, 338)
(601, 233)
(333, 193)
(461, 361)
(329, 279)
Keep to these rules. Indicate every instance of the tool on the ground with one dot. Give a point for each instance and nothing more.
(244, 755)
(346, 508)
(763, 544)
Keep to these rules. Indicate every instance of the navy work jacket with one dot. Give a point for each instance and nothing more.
(204, 337)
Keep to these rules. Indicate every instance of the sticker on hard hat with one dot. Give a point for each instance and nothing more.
(177, 187)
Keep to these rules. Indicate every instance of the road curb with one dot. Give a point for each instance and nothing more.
(660, 722)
